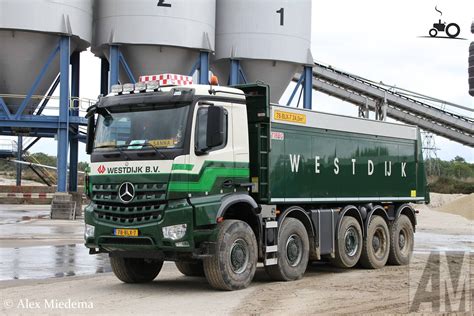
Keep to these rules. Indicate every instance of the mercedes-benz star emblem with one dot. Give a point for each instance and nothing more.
(126, 192)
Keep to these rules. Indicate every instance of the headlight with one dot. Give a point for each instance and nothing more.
(174, 232)
(89, 231)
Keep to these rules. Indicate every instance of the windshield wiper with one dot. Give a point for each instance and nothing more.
(148, 144)
(118, 147)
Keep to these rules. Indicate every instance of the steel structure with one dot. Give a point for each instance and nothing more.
(64, 126)
(383, 101)
(41, 45)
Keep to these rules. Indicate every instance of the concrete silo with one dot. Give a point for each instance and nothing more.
(29, 31)
(266, 40)
(151, 37)
(39, 40)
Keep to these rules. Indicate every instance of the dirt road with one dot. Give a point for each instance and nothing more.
(323, 289)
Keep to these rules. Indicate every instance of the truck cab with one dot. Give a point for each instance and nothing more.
(162, 161)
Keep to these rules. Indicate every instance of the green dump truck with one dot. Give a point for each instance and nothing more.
(217, 179)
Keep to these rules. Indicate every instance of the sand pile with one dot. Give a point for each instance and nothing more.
(440, 199)
(463, 206)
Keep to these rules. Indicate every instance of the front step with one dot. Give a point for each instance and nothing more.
(271, 242)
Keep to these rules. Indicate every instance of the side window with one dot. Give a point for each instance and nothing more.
(201, 130)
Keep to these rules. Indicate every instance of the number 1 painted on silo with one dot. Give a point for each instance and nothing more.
(282, 16)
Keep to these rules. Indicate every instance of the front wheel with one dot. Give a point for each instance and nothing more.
(293, 252)
(402, 241)
(433, 32)
(135, 270)
(376, 245)
(233, 265)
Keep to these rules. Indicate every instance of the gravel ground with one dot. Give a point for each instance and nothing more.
(324, 289)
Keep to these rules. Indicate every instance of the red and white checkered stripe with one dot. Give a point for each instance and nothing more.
(168, 79)
(27, 195)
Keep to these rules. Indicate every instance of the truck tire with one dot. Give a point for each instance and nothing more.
(191, 268)
(233, 265)
(135, 270)
(349, 243)
(401, 241)
(376, 245)
(293, 252)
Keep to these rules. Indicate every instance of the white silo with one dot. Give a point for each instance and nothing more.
(29, 32)
(155, 36)
(271, 39)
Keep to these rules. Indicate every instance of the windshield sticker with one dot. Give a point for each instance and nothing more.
(136, 144)
(162, 142)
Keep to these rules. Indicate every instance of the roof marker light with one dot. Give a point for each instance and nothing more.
(140, 86)
(152, 85)
(128, 87)
(214, 80)
(116, 88)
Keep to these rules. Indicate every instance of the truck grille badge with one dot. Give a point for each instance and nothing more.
(126, 192)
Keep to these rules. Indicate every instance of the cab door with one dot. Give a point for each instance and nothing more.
(213, 162)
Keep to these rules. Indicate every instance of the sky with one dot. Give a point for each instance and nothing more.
(377, 40)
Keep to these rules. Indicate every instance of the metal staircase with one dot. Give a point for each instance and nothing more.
(47, 177)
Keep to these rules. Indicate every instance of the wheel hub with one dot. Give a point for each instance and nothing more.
(294, 250)
(379, 243)
(401, 240)
(239, 256)
(376, 243)
(351, 241)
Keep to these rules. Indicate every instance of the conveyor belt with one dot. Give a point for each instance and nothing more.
(360, 91)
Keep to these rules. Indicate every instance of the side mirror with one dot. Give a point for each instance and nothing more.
(215, 127)
(90, 134)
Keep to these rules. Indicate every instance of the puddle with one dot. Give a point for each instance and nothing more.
(50, 262)
(12, 216)
(426, 242)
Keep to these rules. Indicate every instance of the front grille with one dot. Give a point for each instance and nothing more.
(147, 205)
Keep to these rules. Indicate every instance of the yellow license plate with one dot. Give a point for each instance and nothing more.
(125, 232)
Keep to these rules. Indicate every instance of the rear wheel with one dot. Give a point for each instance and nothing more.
(191, 268)
(233, 265)
(376, 246)
(349, 243)
(135, 270)
(402, 241)
(293, 252)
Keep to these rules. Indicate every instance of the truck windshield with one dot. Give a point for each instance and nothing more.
(161, 128)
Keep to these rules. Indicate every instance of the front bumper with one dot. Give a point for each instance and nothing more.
(150, 236)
